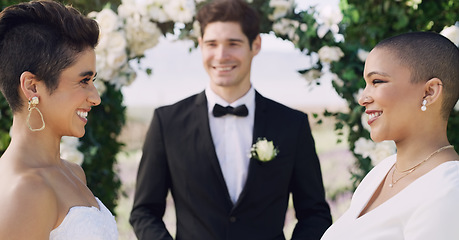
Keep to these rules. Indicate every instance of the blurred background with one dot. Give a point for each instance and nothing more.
(311, 59)
(178, 73)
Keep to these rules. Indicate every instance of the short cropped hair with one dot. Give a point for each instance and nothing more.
(237, 11)
(44, 38)
(428, 55)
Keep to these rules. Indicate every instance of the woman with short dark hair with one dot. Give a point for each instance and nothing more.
(47, 69)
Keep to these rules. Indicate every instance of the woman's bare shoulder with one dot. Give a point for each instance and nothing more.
(28, 202)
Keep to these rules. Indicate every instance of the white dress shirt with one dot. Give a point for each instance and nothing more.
(232, 137)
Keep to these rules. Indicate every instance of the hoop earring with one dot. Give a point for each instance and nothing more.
(33, 105)
(423, 107)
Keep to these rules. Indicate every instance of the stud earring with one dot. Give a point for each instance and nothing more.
(33, 105)
(423, 107)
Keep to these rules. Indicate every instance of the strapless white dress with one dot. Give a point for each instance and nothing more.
(87, 223)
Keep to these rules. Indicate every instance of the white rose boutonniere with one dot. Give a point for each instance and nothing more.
(263, 150)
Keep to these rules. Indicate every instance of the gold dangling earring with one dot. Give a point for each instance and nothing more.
(33, 105)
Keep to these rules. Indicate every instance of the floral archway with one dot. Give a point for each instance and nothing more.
(338, 37)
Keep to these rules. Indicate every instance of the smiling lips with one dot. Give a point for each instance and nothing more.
(225, 68)
(82, 114)
(373, 115)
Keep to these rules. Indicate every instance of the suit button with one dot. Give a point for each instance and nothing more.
(232, 219)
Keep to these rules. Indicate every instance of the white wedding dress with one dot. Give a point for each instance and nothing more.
(87, 223)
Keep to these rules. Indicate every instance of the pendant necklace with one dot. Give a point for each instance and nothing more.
(410, 170)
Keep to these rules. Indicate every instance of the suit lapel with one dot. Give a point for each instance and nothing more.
(205, 144)
(260, 122)
(259, 130)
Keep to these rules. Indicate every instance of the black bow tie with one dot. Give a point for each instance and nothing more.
(240, 111)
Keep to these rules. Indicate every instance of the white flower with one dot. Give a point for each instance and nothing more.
(382, 150)
(125, 77)
(113, 42)
(180, 10)
(196, 32)
(281, 8)
(456, 107)
(338, 81)
(131, 32)
(111, 56)
(280, 27)
(413, 3)
(303, 27)
(312, 75)
(357, 95)
(93, 14)
(154, 9)
(263, 150)
(452, 33)
(328, 18)
(287, 27)
(330, 54)
(69, 150)
(116, 59)
(128, 8)
(363, 147)
(100, 86)
(364, 119)
(376, 151)
(141, 34)
(362, 54)
(287, 4)
(111, 49)
(108, 21)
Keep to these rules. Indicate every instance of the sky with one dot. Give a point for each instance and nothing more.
(178, 73)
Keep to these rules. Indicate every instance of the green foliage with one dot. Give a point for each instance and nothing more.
(100, 146)
(100, 143)
(6, 3)
(6, 116)
(6, 119)
(264, 10)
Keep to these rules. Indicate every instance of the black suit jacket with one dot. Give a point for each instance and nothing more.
(179, 156)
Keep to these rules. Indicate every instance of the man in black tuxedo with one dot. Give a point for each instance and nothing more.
(200, 151)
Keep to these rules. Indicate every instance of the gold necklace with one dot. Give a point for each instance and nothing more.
(410, 170)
